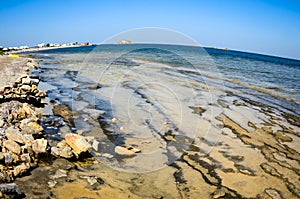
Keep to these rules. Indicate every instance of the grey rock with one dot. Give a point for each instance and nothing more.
(12, 146)
(8, 158)
(10, 188)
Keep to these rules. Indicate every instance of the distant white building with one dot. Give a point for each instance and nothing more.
(41, 45)
(23, 47)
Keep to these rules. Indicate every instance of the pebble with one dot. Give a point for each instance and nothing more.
(114, 120)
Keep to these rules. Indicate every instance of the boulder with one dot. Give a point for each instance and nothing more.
(15, 135)
(12, 146)
(77, 143)
(39, 146)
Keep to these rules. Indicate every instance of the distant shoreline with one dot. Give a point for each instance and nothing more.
(36, 49)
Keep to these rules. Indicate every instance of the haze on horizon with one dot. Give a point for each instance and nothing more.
(269, 27)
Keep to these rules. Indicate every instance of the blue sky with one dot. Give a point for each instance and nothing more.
(263, 26)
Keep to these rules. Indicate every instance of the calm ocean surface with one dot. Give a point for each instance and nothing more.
(273, 80)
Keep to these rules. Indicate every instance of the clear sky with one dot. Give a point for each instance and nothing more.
(263, 26)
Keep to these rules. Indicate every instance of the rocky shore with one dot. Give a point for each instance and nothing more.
(22, 140)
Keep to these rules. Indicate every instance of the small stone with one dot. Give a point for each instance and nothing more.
(20, 169)
(21, 113)
(25, 88)
(273, 193)
(26, 81)
(114, 120)
(107, 155)
(219, 193)
(28, 139)
(55, 151)
(34, 81)
(35, 126)
(1, 123)
(123, 151)
(33, 88)
(25, 158)
(39, 145)
(15, 135)
(77, 143)
(1, 156)
(94, 86)
(29, 126)
(12, 146)
(60, 173)
(66, 152)
(11, 189)
(28, 110)
(135, 150)
(8, 158)
(52, 183)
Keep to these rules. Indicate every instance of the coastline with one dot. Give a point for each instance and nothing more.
(257, 145)
(22, 140)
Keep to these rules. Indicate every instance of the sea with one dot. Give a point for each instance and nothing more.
(136, 95)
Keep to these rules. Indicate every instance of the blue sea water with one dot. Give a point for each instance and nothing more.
(272, 80)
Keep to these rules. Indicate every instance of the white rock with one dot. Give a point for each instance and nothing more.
(123, 151)
(39, 145)
(77, 143)
(1, 123)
